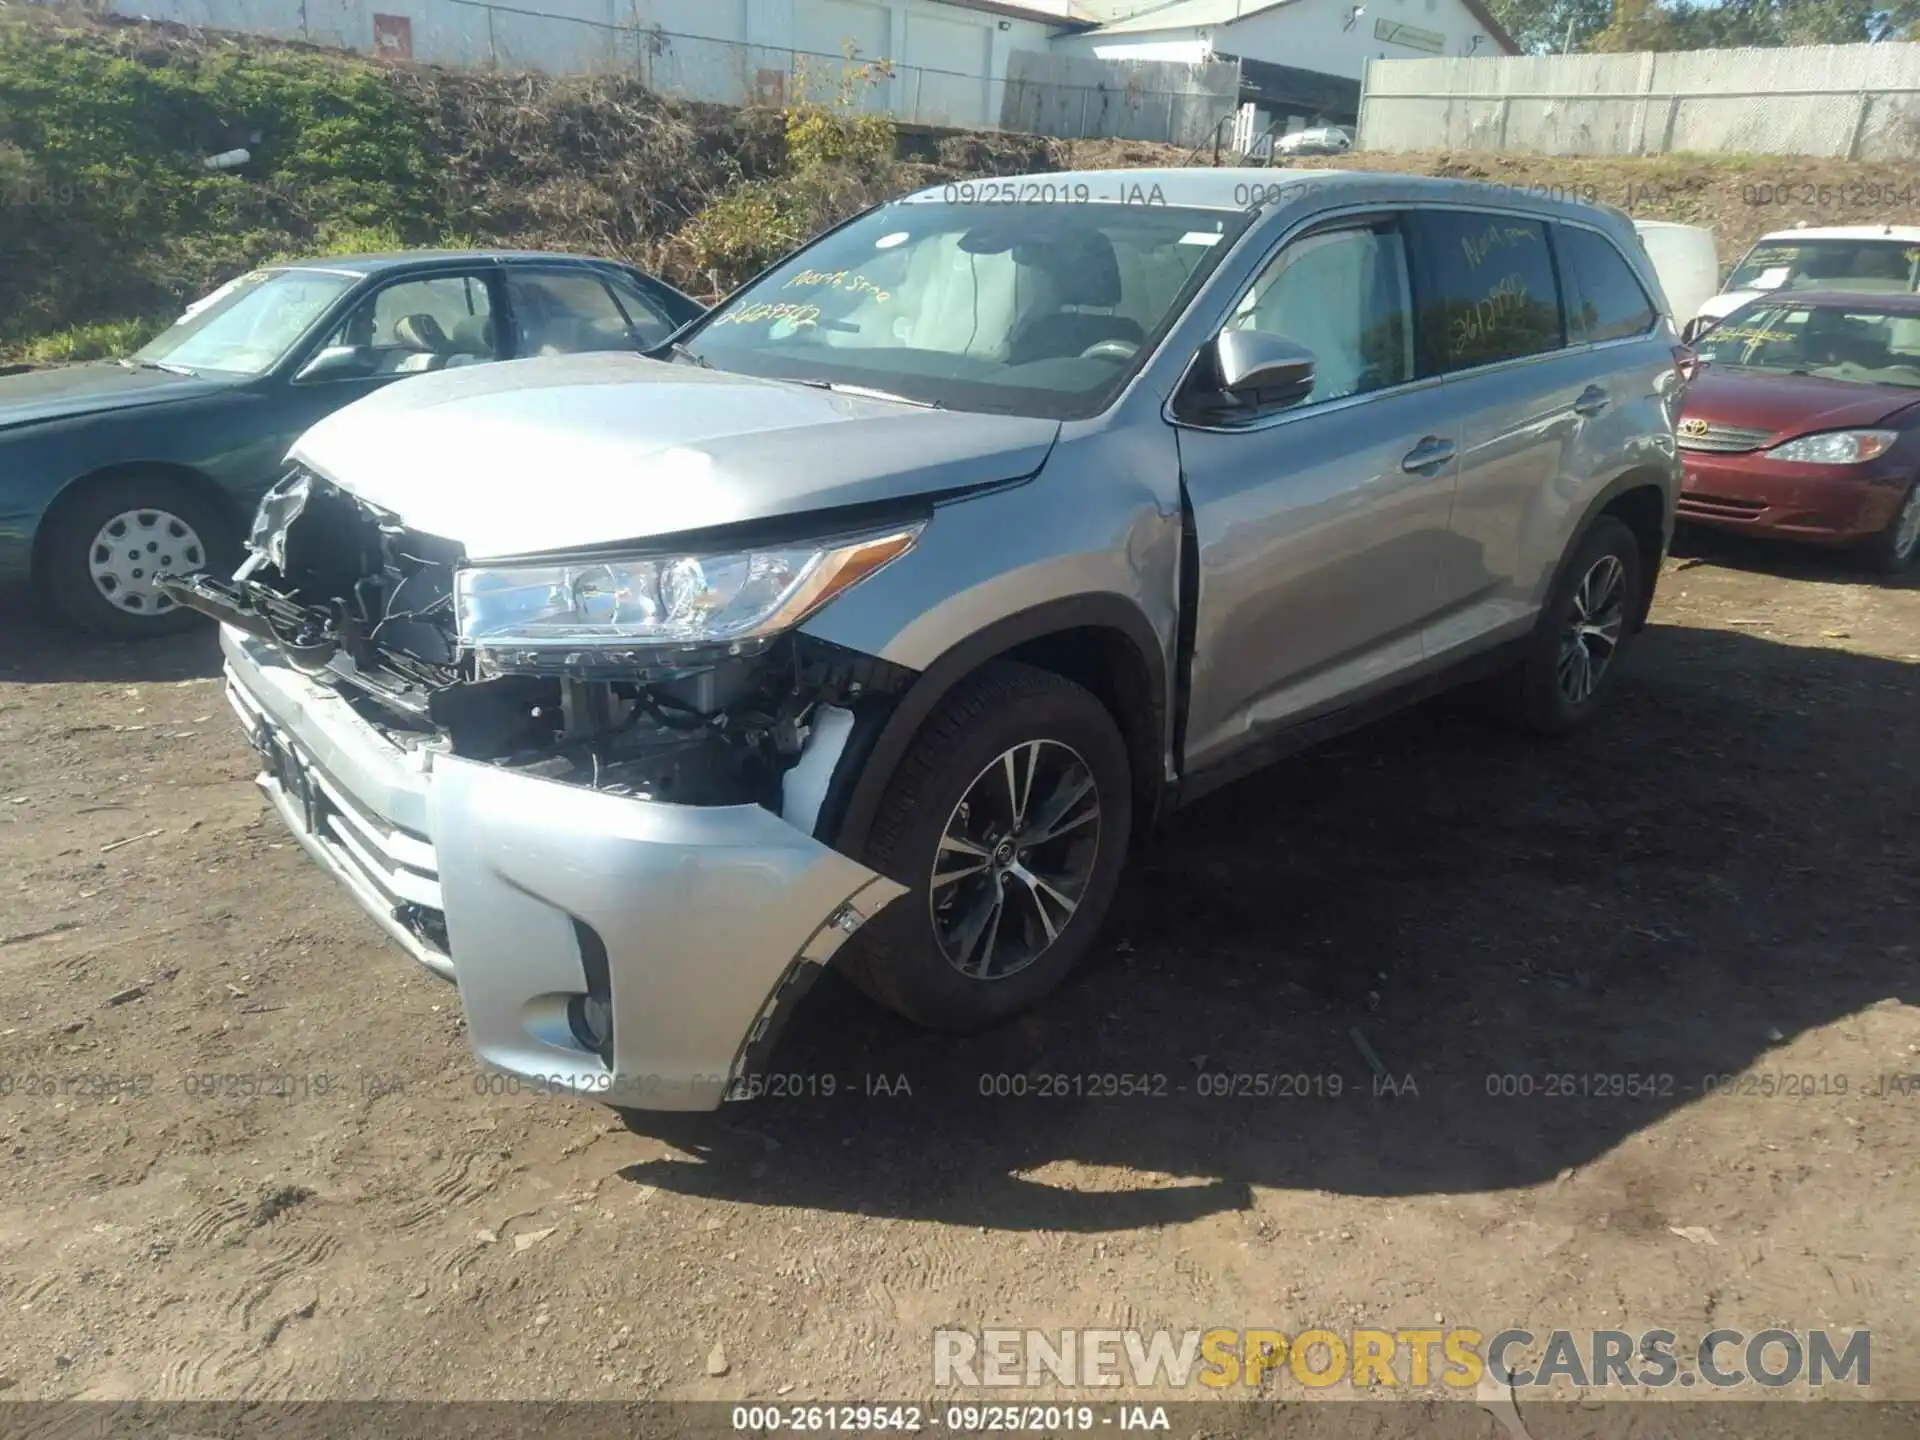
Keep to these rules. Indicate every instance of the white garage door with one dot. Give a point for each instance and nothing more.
(948, 63)
(823, 29)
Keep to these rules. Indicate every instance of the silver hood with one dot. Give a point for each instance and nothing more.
(531, 456)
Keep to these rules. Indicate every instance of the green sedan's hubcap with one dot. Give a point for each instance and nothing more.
(134, 549)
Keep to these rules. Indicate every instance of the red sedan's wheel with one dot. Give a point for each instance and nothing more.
(1893, 549)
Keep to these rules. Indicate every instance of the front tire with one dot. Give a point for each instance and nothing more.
(1893, 549)
(104, 550)
(1574, 654)
(1008, 820)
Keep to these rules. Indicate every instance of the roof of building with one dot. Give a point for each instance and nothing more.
(1187, 14)
(1049, 12)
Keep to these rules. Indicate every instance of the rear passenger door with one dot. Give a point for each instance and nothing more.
(1492, 323)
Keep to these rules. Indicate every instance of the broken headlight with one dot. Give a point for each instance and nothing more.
(589, 611)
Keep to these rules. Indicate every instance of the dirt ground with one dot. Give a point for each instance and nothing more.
(244, 1151)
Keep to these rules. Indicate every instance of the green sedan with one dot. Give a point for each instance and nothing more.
(116, 472)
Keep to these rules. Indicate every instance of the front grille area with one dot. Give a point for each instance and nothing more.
(1721, 439)
(394, 867)
(1718, 507)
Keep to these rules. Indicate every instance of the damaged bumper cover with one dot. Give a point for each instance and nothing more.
(631, 951)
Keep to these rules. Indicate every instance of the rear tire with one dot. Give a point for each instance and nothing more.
(1004, 898)
(1573, 657)
(101, 553)
(1893, 549)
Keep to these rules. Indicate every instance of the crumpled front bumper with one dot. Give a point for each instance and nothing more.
(693, 927)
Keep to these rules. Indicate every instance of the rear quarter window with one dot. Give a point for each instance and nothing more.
(1605, 300)
(1488, 292)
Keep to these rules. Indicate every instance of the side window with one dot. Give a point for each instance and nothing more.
(1489, 294)
(650, 323)
(1605, 300)
(418, 325)
(567, 312)
(1344, 295)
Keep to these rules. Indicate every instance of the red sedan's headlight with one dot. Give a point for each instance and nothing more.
(1836, 447)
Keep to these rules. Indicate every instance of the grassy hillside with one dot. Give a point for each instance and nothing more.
(110, 220)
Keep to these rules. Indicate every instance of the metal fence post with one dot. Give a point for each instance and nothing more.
(1859, 126)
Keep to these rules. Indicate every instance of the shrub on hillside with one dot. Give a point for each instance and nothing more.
(118, 214)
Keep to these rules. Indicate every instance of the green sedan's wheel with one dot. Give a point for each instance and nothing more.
(106, 548)
(134, 549)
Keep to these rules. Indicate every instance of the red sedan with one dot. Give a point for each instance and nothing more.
(1806, 423)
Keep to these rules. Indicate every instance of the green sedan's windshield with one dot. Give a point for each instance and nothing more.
(1041, 310)
(246, 325)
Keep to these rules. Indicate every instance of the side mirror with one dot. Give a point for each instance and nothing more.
(337, 362)
(1262, 368)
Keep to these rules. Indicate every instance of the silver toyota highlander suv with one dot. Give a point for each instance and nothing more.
(871, 620)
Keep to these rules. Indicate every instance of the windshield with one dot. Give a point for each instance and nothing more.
(1040, 310)
(1869, 265)
(246, 325)
(1839, 343)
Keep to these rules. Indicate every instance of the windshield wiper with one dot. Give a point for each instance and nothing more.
(157, 365)
(871, 393)
(685, 354)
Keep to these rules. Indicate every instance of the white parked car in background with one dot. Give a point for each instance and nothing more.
(1315, 140)
(1860, 259)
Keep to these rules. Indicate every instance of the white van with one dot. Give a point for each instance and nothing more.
(1687, 262)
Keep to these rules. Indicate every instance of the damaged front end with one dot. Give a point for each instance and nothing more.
(584, 787)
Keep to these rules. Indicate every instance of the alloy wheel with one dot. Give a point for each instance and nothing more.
(1597, 618)
(135, 548)
(1015, 859)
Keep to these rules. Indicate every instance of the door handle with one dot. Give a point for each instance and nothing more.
(1591, 402)
(1427, 457)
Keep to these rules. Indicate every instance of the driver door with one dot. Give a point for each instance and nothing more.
(1320, 525)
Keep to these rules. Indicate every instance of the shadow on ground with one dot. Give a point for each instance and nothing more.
(1724, 860)
(1785, 558)
(35, 651)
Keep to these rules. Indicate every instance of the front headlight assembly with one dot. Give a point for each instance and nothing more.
(1836, 447)
(591, 614)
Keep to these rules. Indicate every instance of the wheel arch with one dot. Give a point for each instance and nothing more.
(1637, 498)
(76, 489)
(1101, 642)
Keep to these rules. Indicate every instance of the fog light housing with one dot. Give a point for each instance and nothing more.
(590, 1016)
(591, 1019)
